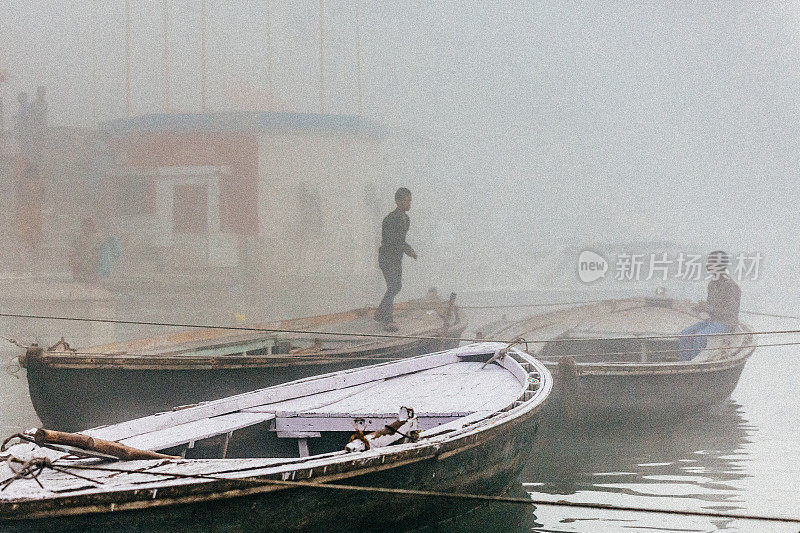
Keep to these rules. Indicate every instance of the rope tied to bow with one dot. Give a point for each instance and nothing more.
(359, 434)
(501, 353)
(30, 470)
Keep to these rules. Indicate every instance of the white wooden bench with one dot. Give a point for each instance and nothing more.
(191, 432)
(320, 422)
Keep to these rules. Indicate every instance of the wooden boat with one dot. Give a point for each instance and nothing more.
(74, 389)
(256, 461)
(608, 367)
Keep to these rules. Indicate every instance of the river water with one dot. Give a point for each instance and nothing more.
(741, 457)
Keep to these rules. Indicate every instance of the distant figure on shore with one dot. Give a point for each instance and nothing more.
(29, 189)
(23, 125)
(85, 257)
(722, 306)
(39, 111)
(390, 255)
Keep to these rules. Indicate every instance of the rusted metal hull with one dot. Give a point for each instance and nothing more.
(486, 463)
(72, 399)
(599, 396)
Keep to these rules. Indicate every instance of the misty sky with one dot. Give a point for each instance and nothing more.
(520, 124)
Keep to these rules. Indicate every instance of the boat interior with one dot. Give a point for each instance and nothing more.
(622, 331)
(416, 316)
(446, 391)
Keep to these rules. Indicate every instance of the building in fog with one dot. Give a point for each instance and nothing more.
(45, 181)
(282, 194)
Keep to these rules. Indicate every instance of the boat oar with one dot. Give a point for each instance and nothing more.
(85, 442)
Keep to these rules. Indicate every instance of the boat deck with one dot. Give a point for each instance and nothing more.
(635, 322)
(410, 319)
(437, 395)
(621, 331)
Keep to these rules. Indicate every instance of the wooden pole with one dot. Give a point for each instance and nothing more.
(322, 56)
(128, 57)
(3, 79)
(95, 59)
(85, 442)
(203, 80)
(359, 76)
(165, 27)
(270, 86)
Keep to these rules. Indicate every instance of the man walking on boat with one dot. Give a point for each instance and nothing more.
(722, 306)
(390, 255)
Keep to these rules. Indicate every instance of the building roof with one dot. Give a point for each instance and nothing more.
(257, 121)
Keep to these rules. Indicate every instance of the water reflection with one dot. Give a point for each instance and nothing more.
(691, 463)
(490, 517)
(701, 455)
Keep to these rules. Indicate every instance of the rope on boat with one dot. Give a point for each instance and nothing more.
(530, 305)
(32, 468)
(325, 358)
(706, 514)
(14, 342)
(322, 357)
(501, 353)
(677, 350)
(13, 367)
(413, 492)
(394, 335)
(773, 315)
(310, 484)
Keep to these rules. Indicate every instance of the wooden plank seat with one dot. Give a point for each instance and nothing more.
(320, 422)
(241, 344)
(191, 432)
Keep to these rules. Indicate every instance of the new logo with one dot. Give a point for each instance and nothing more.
(591, 266)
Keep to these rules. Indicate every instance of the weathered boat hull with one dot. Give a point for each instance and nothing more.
(618, 361)
(488, 463)
(72, 399)
(622, 395)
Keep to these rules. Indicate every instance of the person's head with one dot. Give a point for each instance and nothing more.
(717, 263)
(41, 91)
(32, 171)
(22, 97)
(88, 226)
(403, 198)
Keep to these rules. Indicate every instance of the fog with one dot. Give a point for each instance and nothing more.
(533, 136)
(523, 128)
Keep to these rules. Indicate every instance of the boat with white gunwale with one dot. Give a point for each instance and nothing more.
(463, 420)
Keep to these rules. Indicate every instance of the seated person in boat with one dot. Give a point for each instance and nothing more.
(722, 306)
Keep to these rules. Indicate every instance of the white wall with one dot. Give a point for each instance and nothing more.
(316, 214)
